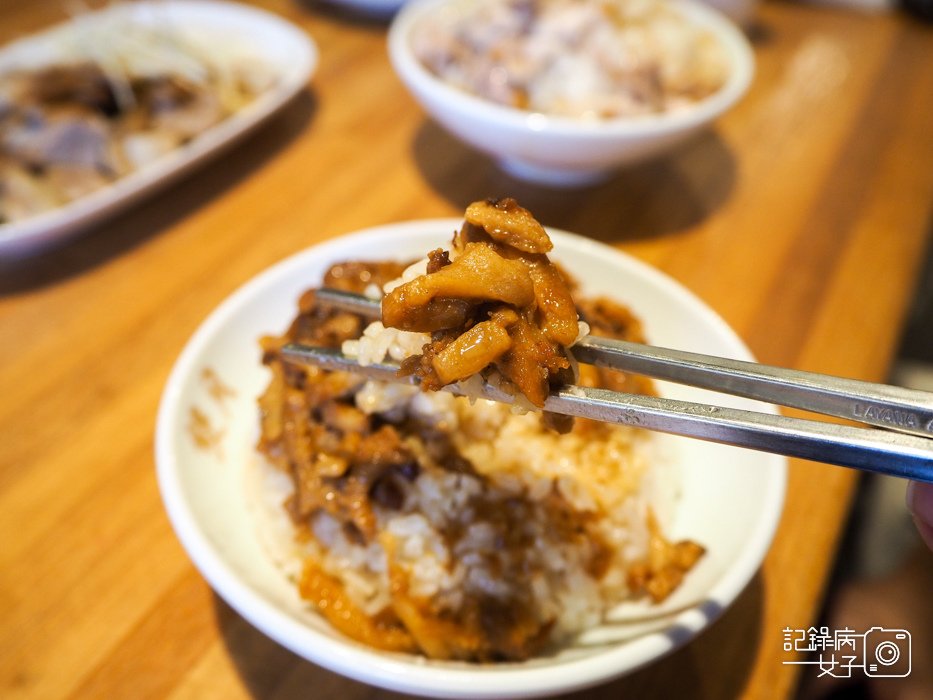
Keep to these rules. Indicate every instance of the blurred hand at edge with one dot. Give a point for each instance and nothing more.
(920, 503)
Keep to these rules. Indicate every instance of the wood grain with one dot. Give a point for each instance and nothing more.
(802, 218)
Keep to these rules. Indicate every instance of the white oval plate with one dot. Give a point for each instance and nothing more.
(730, 500)
(289, 53)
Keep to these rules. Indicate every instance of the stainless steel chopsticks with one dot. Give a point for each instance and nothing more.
(905, 449)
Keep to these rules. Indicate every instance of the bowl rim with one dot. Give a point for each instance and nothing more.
(421, 81)
(412, 674)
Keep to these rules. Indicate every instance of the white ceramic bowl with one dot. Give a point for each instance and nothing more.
(562, 151)
(730, 499)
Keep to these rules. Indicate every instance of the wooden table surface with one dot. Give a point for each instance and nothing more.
(801, 218)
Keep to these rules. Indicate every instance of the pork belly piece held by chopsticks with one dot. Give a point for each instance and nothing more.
(495, 305)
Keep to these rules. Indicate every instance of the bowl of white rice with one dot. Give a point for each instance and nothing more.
(225, 503)
(564, 92)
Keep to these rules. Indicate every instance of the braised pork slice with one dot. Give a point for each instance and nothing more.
(507, 222)
(663, 570)
(494, 302)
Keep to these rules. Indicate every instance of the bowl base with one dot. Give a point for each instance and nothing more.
(554, 177)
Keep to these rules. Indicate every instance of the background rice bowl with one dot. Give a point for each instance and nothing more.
(205, 491)
(565, 151)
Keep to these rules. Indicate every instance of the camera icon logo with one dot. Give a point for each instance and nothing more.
(886, 653)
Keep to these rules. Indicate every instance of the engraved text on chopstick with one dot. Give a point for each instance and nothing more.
(873, 413)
